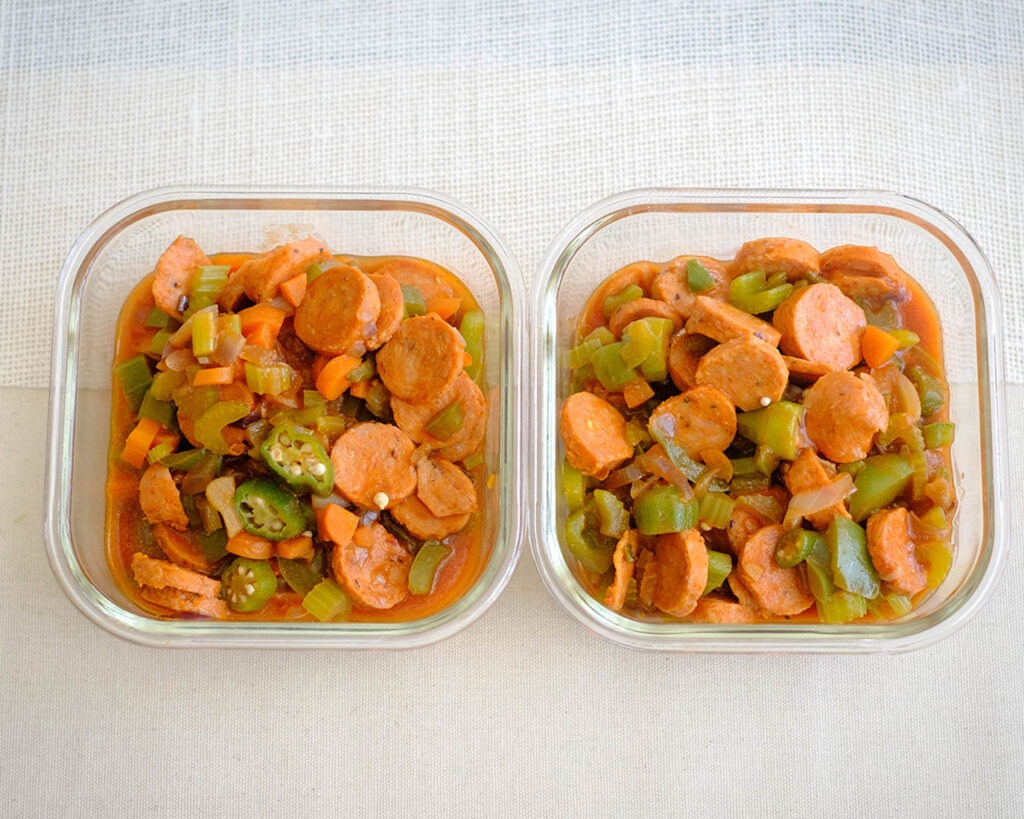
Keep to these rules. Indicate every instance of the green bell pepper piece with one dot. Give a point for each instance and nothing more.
(610, 369)
(752, 293)
(930, 389)
(663, 509)
(698, 279)
(583, 541)
(425, 566)
(472, 329)
(209, 430)
(612, 515)
(939, 434)
(629, 293)
(574, 484)
(851, 564)
(777, 427)
(415, 304)
(719, 566)
(881, 481)
(134, 377)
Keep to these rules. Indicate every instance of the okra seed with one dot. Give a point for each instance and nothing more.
(317, 469)
(295, 469)
(249, 588)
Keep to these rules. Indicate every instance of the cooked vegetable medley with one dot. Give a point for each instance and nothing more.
(297, 435)
(759, 439)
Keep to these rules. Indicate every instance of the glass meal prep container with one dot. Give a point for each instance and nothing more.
(660, 224)
(122, 246)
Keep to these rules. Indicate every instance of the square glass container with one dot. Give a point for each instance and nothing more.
(123, 244)
(659, 224)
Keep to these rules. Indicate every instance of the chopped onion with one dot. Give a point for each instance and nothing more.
(655, 461)
(620, 477)
(909, 399)
(810, 501)
(229, 348)
(719, 462)
(179, 360)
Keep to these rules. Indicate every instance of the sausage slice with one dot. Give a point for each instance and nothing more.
(682, 561)
(843, 412)
(173, 275)
(722, 322)
(892, 551)
(672, 285)
(373, 465)
(747, 370)
(700, 418)
(594, 433)
(781, 591)
(793, 257)
(373, 568)
(821, 324)
(423, 358)
(339, 310)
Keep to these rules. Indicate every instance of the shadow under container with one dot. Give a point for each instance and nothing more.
(122, 246)
(660, 224)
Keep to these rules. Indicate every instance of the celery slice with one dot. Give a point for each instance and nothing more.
(447, 422)
(327, 602)
(206, 286)
(574, 484)
(415, 304)
(716, 509)
(472, 329)
(204, 332)
(157, 319)
(270, 380)
(662, 510)
(134, 377)
(938, 434)
(163, 412)
(612, 514)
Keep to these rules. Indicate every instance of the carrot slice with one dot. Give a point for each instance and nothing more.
(444, 306)
(332, 380)
(139, 440)
(294, 547)
(636, 392)
(293, 289)
(336, 524)
(262, 335)
(244, 544)
(878, 346)
(214, 375)
(252, 317)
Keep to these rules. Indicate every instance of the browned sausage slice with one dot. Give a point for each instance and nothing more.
(793, 257)
(804, 372)
(672, 285)
(392, 309)
(700, 418)
(747, 370)
(373, 465)
(160, 499)
(339, 310)
(624, 561)
(892, 551)
(807, 472)
(373, 568)
(722, 322)
(717, 610)
(261, 277)
(182, 548)
(173, 275)
(864, 273)
(185, 602)
(444, 488)
(432, 280)
(843, 414)
(594, 433)
(820, 324)
(423, 358)
(638, 309)
(422, 523)
(682, 560)
(639, 273)
(159, 574)
(684, 352)
(413, 418)
(781, 591)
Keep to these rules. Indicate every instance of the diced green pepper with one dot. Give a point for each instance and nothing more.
(794, 547)
(612, 515)
(629, 293)
(636, 432)
(364, 372)
(213, 544)
(581, 538)
(157, 319)
(661, 431)
(580, 355)
(751, 293)
(415, 304)
(601, 334)
(163, 412)
(331, 425)
(819, 571)
(209, 429)
(842, 607)
(199, 474)
(472, 329)
(299, 575)
(901, 428)
(159, 452)
(930, 389)
(299, 459)
(906, 338)
(654, 367)
(851, 564)
(447, 422)
(610, 369)
(574, 484)
(880, 482)
(184, 460)
(663, 509)
(269, 510)
(159, 341)
(134, 377)
(425, 566)
(638, 342)
(719, 566)
(698, 279)
(937, 557)
(777, 427)
(939, 434)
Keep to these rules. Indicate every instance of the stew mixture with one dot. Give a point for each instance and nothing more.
(759, 439)
(297, 435)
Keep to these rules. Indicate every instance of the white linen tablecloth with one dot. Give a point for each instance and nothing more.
(526, 113)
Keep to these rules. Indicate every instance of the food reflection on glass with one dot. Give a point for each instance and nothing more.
(759, 439)
(297, 434)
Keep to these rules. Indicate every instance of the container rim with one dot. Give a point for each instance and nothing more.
(66, 568)
(689, 637)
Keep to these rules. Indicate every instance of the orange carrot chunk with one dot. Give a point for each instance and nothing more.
(878, 346)
(336, 524)
(332, 381)
(139, 440)
(294, 289)
(214, 375)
